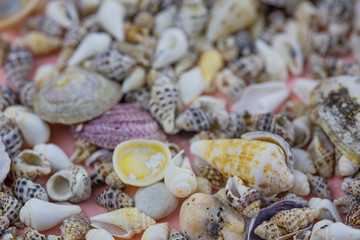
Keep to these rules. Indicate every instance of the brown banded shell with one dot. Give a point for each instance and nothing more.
(176, 235)
(269, 230)
(43, 24)
(32, 234)
(229, 84)
(25, 190)
(319, 186)
(347, 202)
(27, 93)
(101, 170)
(11, 207)
(82, 151)
(139, 98)
(353, 217)
(113, 198)
(4, 223)
(76, 95)
(113, 180)
(75, 227)
(10, 136)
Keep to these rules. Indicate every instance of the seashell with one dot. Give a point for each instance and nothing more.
(102, 169)
(4, 48)
(195, 78)
(346, 166)
(261, 98)
(92, 44)
(97, 234)
(352, 217)
(242, 198)
(248, 67)
(41, 44)
(5, 162)
(121, 123)
(179, 177)
(124, 222)
(319, 186)
(138, 52)
(228, 48)
(245, 43)
(176, 235)
(44, 74)
(10, 135)
(293, 197)
(294, 109)
(111, 64)
(347, 202)
(148, 158)
(72, 38)
(201, 212)
(327, 209)
(329, 44)
(111, 16)
(26, 189)
(65, 53)
(137, 34)
(69, 184)
(317, 67)
(203, 185)
(303, 88)
(4, 223)
(269, 230)
(134, 81)
(195, 118)
(75, 227)
(67, 99)
(229, 16)
(210, 173)
(17, 65)
(87, 7)
(231, 125)
(43, 24)
(302, 127)
(322, 152)
(354, 187)
(101, 155)
(113, 198)
(301, 187)
(9, 234)
(275, 66)
(33, 129)
(188, 61)
(229, 84)
(27, 92)
(165, 19)
(271, 183)
(303, 235)
(42, 215)
(54, 155)
(63, 13)
(159, 231)
(30, 165)
(302, 161)
(210, 63)
(7, 97)
(171, 47)
(113, 180)
(54, 237)
(32, 234)
(144, 19)
(82, 150)
(10, 207)
(337, 231)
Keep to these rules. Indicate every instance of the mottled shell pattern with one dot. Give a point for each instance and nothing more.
(7, 97)
(230, 84)
(75, 227)
(176, 235)
(293, 197)
(42, 44)
(113, 198)
(26, 93)
(248, 67)
(347, 202)
(32, 234)
(82, 151)
(101, 170)
(139, 98)
(25, 189)
(207, 171)
(11, 207)
(269, 230)
(319, 186)
(10, 136)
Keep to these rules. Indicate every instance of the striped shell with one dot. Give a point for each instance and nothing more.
(121, 123)
(10, 136)
(319, 186)
(76, 95)
(113, 198)
(26, 93)
(176, 235)
(11, 207)
(7, 97)
(196, 119)
(295, 218)
(102, 169)
(82, 151)
(347, 202)
(352, 217)
(25, 190)
(75, 227)
(231, 125)
(245, 43)
(32, 234)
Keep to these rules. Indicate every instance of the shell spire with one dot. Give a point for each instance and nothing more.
(75, 227)
(113, 198)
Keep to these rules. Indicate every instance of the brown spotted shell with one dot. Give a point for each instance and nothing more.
(353, 217)
(269, 230)
(4, 223)
(11, 207)
(77, 95)
(32, 234)
(176, 235)
(75, 227)
(82, 151)
(113, 198)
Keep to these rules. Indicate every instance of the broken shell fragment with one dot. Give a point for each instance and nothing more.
(327, 209)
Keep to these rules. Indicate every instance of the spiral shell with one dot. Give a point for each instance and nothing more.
(41, 44)
(176, 235)
(113, 198)
(301, 187)
(319, 186)
(10, 136)
(11, 207)
(7, 97)
(113, 180)
(347, 202)
(248, 67)
(43, 24)
(195, 118)
(102, 169)
(327, 43)
(229, 84)
(302, 127)
(32, 234)
(54, 237)
(97, 234)
(327, 209)
(207, 171)
(302, 161)
(25, 190)
(159, 231)
(352, 217)
(27, 92)
(82, 151)
(10, 234)
(139, 53)
(269, 230)
(4, 223)
(303, 235)
(75, 227)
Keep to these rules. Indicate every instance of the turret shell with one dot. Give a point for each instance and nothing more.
(113, 199)
(75, 227)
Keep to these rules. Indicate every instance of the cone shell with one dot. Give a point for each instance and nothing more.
(10, 207)
(347, 202)
(25, 190)
(75, 227)
(111, 17)
(7, 97)
(75, 96)
(141, 162)
(319, 186)
(124, 222)
(82, 151)
(176, 235)
(98, 234)
(253, 170)
(159, 231)
(10, 135)
(32, 234)
(121, 123)
(41, 44)
(102, 169)
(269, 230)
(113, 198)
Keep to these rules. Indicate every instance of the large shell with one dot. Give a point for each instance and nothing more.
(10, 135)
(25, 190)
(327, 209)
(10, 207)
(159, 231)
(113, 198)
(76, 96)
(41, 44)
(75, 227)
(346, 202)
(336, 119)
(82, 150)
(319, 186)
(121, 123)
(7, 96)
(124, 222)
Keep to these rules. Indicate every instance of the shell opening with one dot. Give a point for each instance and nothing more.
(31, 159)
(60, 187)
(112, 229)
(232, 187)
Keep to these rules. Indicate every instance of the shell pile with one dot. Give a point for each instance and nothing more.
(204, 100)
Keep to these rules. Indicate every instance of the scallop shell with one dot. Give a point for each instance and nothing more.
(30, 165)
(352, 217)
(179, 177)
(301, 187)
(43, 24)
(32, 234)
(111, 64)
(67, 98)
(102, 169)
(41, 44)
(319, 186)
(159, 231)
(229, 84)
(244, 199)
(75, 227)
(82, 151)
(121, 123)
(4, 223)
(195, 118)
(139, 98)
(176, 235)
(7, 97)
(347, 202)
(302, 161)
(124, 222)
(327, 209)
(248, 67)
(113, 198)
(269, 230)
(10, 207)
(98, 234)
(63, 13)
(113, 180)
(111, 16)
(26, 189)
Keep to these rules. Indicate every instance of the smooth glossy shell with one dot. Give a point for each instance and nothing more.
(76, 96)
(141, 162)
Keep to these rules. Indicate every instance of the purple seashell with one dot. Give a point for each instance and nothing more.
(266, 213)
(121, 123)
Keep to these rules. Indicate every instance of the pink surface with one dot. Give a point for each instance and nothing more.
(61, 136)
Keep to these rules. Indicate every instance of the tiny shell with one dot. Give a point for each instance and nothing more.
(7, 97)
(98, 234)
(337, 231)
(176, 235)
(229, 84)
(139, 98)
(141, 162)
(303, 235)
(195, 78)
(195, 118)
(55, 156)
(63, 13)
(248, 67)
(5, 162)
(303, 88)
(75, 227)
(113, 180)
(82, 151)
(144, 19)
(228, 48)
(111, 17)
(10, 135)
(41, 44)
(231, 125)
(210, 63)
(301, 187)
(54, 237)
(346, 202)
(102, 169)
(113, 198)
(134, 81)
(32, 234)
(140, 53)
(302, 127)
(25, 190)
(124, 222)
(269, 230)
(159, 231)
(303, 161)
(10, 207)
(293, 197)
(317, 66)
(319, 186)
(327, 209)
(4, 48)
(185, 63)
(4, 223)
(10, 234)
(26, 92)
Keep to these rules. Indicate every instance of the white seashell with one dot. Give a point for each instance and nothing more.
(135, 81)
(302, 126)
(87, 6)
(5, 162)
(171, 47)
(211, 103)
(33, 129)
(159, 231)
(123, 223)
(192, 78)
(98, 234)
(303, 161)
(275, 66)
(42, 215)
(262, 97)
(337, 231)
(303, 87)
(290, 51)
(179, 178)
(111, 16)
(92, 44)
(347, 167)
(55, 155)
(62, 12)
(318, 227)
(327, 210)
(45, 73)
(164, 19)
(302, 186)
(96, 155)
